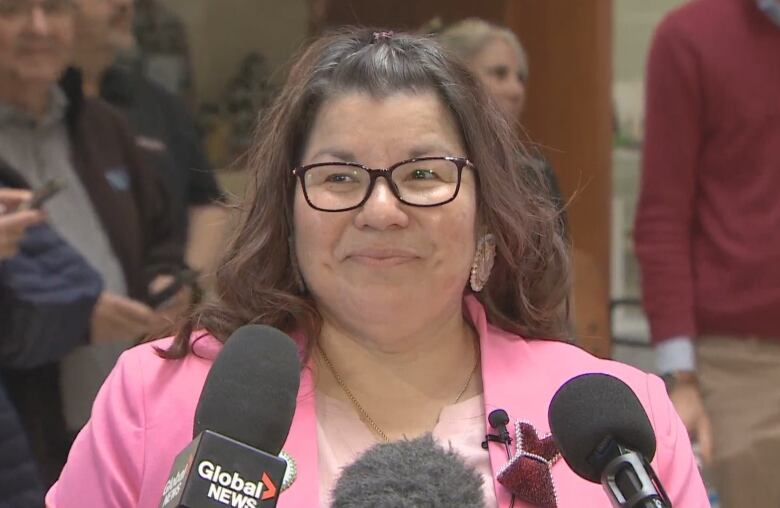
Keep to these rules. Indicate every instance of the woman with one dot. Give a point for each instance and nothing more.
(496, 57)
(498, 60)
(418, 295)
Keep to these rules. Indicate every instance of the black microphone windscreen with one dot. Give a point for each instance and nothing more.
(591, 407)
(250, 392)
(409, 473)
(498, 418)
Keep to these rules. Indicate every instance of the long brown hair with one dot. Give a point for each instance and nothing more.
(256, 280)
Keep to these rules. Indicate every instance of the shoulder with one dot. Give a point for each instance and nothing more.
(204, 348)
(571, 360)
(97, 108)
(559, 361)
(522, 376)
(99, 125)
(140, 420)
(698, 21)
(164, 384)
(548, 364)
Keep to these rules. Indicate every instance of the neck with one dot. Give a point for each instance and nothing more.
(93, 65)
(32, 98)
(403, 383)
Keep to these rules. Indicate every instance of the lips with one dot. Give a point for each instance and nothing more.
(382, 257)
(36, 48)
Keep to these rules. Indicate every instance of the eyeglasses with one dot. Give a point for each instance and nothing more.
(343, 186)
(18, 8)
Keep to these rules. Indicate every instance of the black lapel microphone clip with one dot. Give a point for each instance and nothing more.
(498, 420)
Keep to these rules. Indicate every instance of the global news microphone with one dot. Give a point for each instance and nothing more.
(396, 230)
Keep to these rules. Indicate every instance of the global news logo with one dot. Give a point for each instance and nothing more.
(175, 483)
(232, 490)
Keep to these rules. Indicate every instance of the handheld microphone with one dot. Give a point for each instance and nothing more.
(242, 420)
(604, 435)
(408, 474)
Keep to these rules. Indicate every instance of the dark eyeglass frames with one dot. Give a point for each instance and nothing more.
(343, 186)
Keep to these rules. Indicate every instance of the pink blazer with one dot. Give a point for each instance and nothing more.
(143, 417)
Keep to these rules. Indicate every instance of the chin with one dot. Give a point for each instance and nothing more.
(40, 74)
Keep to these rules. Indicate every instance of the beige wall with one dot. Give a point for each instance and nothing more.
(222, 32)
(634, 23)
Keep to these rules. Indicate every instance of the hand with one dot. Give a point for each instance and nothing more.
(166, 315)
(687, 400)
(13, 224)
(117, 318)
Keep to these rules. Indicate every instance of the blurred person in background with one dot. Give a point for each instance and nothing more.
(496, 57)
(20, 484)
(166, 136)
(164, 130)
(707, 234)
(163, 48)
(113, 210)
(47, 295)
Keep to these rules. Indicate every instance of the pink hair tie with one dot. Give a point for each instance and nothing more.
(381, 36)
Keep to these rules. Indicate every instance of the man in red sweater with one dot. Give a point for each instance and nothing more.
(708, 234)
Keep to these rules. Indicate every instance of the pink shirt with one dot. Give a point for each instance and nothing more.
(143, 417)
(342, 437)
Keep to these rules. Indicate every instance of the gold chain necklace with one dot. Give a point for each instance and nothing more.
(362, 412)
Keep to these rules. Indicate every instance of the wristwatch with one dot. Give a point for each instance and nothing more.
(672, 379)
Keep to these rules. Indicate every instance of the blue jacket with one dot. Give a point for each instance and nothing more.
(47, 293)
(19, 483)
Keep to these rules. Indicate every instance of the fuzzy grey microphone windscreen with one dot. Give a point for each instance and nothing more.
(415, 473)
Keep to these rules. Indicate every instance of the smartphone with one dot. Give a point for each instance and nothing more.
(181, 279)
(42, 194)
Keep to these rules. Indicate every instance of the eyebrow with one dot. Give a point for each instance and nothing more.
(336, 153)
(430, 149)
(416, 151)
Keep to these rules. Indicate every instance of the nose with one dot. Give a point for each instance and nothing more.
(39, 21)
(515, 87)
(382, 210)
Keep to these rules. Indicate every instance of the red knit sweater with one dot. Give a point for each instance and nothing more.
(708, 222)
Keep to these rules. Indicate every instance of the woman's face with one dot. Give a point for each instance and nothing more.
(498, 68)
(385, 263)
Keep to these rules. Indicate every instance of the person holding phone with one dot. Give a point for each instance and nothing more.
(47, 293)
(47, 289)
(14, 223)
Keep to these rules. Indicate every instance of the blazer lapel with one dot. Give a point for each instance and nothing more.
(301, 445)
(513, 382)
